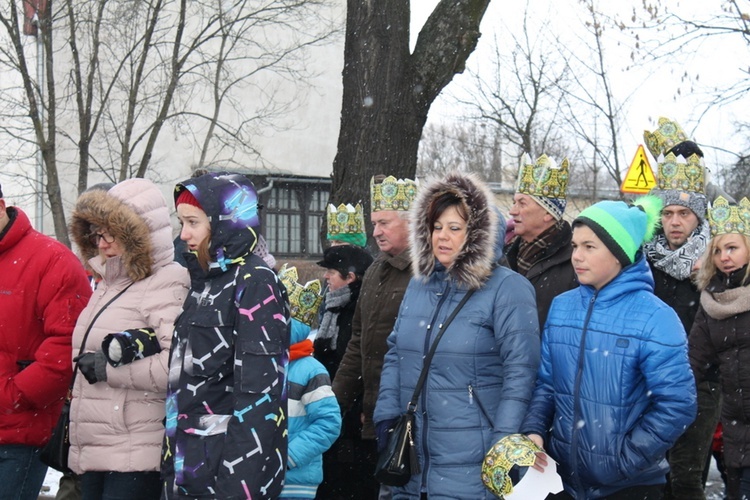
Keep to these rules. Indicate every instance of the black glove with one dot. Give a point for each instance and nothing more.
(93, 366)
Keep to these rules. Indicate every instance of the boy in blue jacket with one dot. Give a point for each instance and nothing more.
(314, 414)
(615, 389)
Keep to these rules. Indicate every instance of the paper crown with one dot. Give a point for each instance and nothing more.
(392, 194)
(668, 135)
(543, 178)
(346, 222)
(512, 450)
(304, 300)
(725, 218)
(545, 182)
(676, 172)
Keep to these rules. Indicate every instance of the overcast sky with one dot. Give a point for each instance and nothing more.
(653, 87)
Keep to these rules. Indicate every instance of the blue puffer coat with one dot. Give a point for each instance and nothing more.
(481, 378)
(314, 417)
(615, 386)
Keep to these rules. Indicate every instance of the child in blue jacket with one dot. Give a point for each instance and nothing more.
(314, 414)
(615, 389)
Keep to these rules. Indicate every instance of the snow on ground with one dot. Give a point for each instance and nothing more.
(49, 488)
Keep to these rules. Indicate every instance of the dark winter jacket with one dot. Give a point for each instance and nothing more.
(482, 375)
(331, 358)
(681, 295)
(615, 389)
(358, 375)
(43, 289)
(226, 427)
(720, 336)
(552, 274)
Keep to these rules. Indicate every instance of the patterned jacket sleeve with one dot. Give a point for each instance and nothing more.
(254, 457)
(160, 305)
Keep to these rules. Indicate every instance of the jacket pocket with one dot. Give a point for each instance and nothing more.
(474, 397)
(260, 365)
(197, 462)
(211, 347)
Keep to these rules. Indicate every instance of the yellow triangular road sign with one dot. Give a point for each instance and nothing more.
(640, 178)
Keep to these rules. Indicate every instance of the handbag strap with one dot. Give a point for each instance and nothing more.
(412, 407)
(88, 330)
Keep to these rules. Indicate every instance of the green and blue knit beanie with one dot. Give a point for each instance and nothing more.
(623, 227)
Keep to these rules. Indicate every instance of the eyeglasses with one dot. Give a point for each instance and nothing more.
(104, 235)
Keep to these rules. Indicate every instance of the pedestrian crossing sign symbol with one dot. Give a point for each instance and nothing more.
(640, 178)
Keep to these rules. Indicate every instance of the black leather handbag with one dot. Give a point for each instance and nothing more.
(398, 462)
(55, 453)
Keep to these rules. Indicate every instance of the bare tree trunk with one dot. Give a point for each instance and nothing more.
(388, 91)
(177, 62)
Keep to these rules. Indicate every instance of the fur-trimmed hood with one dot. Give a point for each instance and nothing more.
(136, 214)
(473, 265)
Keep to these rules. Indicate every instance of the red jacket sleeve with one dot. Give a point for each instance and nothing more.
(62, 294)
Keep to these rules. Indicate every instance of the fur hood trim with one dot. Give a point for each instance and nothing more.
(474, 264)
(136, 214)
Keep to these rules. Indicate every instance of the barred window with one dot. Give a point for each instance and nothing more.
(293, 215)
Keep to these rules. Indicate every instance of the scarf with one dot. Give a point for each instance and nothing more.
(678, 263)
(529, 253)
(335, 301)
(300, 349)
(726, 295)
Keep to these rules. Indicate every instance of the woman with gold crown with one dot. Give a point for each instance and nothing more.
(721, 331)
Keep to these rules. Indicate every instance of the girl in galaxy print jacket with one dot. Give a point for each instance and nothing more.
(226, 427)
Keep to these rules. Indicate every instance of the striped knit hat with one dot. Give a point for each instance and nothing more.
(623, 227)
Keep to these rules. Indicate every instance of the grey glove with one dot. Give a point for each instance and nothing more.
(93, 366)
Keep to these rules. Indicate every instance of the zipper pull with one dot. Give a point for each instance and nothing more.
(471, 395)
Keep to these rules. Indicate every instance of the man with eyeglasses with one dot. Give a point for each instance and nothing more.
(43, 288)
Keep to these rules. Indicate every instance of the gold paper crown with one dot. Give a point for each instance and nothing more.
(543, 178)
(512, 450)
(675, 172)
(668, 135)
(304, 300)
(392, 194)
(346, 219)
(725, 218)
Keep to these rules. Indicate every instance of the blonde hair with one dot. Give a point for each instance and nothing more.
(708, 269)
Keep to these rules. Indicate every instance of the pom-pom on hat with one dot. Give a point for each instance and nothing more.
(186, 196)
(623, 227)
